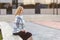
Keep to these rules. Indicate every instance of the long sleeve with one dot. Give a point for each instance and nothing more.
(23, 21)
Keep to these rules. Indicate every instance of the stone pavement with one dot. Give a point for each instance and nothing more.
(41, 32)
(51, 24)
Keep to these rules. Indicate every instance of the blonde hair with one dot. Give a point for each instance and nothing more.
(18, 10)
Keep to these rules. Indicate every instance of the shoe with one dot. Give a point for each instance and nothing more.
(15, 33)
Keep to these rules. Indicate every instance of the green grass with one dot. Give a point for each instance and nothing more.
(0, 36)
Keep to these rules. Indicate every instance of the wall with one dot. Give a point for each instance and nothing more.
(26, 11)
(49, 11)
(32, 11)
(3, 11)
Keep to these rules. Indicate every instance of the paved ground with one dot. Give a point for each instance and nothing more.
(41, 32)
(52, 24)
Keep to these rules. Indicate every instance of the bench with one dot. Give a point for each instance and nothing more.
(7, 32)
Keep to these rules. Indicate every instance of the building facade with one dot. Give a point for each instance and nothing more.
(30, 7)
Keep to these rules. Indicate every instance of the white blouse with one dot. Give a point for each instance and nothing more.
(21, 16)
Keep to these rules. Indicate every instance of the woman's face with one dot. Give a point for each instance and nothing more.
(20, 11)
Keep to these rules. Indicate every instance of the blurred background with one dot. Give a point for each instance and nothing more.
(36, 12)
(51, 7)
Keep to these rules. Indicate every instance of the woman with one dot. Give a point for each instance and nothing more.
(20, 28)
(19, 21)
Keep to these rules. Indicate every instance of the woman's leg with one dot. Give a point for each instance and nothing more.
(30, 38)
